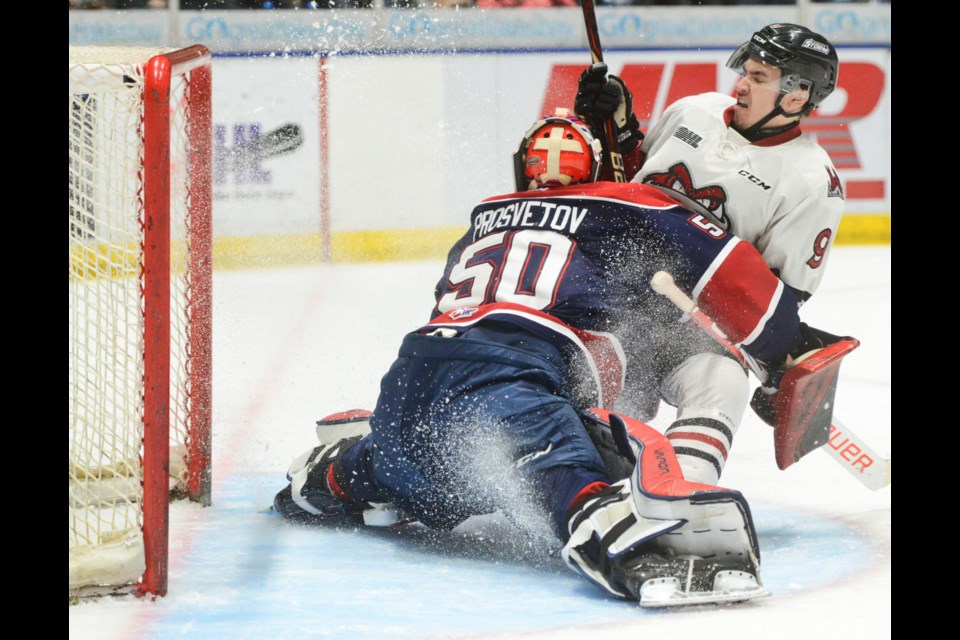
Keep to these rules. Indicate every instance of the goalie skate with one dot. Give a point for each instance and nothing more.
(660, 582)
(730, 587)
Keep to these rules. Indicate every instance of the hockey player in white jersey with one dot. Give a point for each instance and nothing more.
(745, 162)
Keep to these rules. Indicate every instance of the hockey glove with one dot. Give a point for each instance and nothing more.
(601, 97)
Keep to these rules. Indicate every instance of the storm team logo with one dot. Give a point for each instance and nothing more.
(712, 198)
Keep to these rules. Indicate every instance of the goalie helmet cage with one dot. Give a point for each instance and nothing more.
(140, 284)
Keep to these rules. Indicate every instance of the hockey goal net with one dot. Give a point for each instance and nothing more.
(140, 308)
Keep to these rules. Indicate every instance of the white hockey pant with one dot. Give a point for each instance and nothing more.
(710, 392)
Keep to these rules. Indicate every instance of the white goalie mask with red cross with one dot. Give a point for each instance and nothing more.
(557, 151)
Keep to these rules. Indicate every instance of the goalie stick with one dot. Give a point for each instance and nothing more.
(596, 52)
(844, 446)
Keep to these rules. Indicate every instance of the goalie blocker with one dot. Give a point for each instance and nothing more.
(800, 409)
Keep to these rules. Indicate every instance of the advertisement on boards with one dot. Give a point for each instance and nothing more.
(413, 142)
(852, 124)
(266, 141)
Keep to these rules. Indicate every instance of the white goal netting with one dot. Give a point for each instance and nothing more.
(109, 193)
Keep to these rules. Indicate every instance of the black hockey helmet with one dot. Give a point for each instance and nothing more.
(805, 59)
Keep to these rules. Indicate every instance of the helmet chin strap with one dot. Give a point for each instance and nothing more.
(754, 132)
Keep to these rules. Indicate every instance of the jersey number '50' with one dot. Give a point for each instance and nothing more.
(524, 267)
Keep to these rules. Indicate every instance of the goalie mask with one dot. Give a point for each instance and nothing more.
(556, 151)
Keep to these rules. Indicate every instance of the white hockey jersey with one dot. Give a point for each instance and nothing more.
(781, 194)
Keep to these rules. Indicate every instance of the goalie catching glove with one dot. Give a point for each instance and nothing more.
(659, 539)
(601, 97)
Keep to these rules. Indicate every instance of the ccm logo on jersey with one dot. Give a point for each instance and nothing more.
(754, 179)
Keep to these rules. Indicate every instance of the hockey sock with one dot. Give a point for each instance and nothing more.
(702, 440)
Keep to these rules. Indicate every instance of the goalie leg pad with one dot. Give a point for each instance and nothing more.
(343, 424)
(318, 484)
(604, 531)
(313, 493)
(634, 530)
(715, 522)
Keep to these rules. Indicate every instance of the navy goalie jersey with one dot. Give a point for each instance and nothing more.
(574, 264)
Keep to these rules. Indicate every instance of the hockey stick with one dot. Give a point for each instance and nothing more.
(596, 52)
(844, 446)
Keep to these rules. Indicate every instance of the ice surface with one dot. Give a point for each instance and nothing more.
(292, 345)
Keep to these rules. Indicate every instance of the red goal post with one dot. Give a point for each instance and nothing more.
(140, 265)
